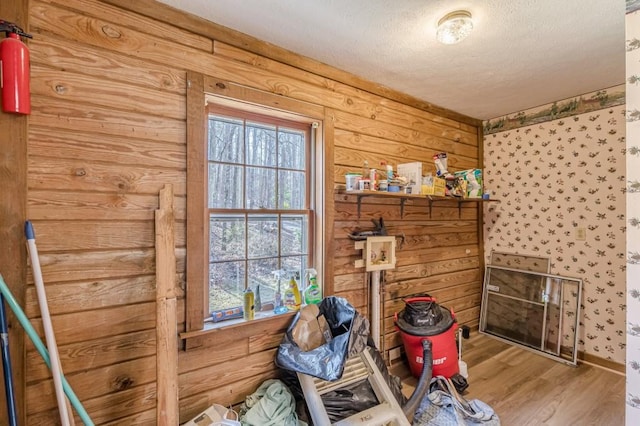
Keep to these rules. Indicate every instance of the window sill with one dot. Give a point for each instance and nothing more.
(261, 320)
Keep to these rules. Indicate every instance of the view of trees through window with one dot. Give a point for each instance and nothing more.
(259, 207)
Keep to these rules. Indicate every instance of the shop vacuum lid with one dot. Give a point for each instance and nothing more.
(422, 316)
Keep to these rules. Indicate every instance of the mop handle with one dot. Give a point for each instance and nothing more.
(6, 366)
(56, 370)
(44, 353)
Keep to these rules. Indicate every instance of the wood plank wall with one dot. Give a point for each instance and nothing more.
(108, 132)
(13, 211)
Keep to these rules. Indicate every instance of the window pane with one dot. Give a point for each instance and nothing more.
(257, 170)
(261, 273)
(293, 235)
(226, 285)
(291, 190)
(227, 234)
(291, 149)
(293, 264)
(226, 142)
(263, 236)
(261, 186)
(261, 145)
(225, 186)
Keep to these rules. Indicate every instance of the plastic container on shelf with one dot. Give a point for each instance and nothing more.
(351, 181)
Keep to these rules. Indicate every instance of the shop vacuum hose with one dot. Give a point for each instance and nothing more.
(424, 381)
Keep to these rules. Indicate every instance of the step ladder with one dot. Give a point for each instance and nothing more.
(357, 368)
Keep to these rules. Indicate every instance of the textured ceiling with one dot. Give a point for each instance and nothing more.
(521, 54)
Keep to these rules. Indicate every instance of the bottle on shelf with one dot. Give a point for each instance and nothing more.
(313, 292)
(389, 173)
(258, 300)
(292, 299)
(278, 304)
(249, 306)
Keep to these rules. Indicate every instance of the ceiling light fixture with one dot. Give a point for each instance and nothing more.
(454, 27)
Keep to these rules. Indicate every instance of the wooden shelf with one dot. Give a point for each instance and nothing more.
(404, 197)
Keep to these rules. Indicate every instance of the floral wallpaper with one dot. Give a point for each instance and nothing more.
(633, 211)
(561, 184)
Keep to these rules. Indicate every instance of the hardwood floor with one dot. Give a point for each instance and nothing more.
(525, 388)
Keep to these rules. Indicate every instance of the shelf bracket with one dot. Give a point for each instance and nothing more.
(359, 200)
(459, 209)
(430, 206)
(402, 200)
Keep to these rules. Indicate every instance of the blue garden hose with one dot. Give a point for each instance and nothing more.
(42, 349)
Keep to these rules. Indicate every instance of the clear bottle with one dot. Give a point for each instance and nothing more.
(258, 300)
(389, 173)
(365, 170)
(279, 307)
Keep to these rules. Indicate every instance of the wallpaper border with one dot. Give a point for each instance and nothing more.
(581, 104)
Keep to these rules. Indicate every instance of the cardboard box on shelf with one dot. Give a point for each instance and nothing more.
(473, 180)
(413, 173)
(438, 188)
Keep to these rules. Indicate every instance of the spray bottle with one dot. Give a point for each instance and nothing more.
(313, 292)
(292, 299)
(278, 306)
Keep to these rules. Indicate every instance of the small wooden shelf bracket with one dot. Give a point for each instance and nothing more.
(404, 197)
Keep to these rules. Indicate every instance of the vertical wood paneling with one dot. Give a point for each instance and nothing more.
(195, 183)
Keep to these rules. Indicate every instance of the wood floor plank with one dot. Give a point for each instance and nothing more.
(525, 388)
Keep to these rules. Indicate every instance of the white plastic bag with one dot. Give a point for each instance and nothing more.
(216, 415)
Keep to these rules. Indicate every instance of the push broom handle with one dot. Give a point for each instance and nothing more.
(44, 353)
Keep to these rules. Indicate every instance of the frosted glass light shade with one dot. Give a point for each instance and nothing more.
(454, 27)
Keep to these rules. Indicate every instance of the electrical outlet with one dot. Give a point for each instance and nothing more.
(581, 234)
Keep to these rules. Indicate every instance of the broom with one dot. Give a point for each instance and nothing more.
(42, 350)
(56, 370)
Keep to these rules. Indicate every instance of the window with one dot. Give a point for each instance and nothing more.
(255, 198)
(259, 205)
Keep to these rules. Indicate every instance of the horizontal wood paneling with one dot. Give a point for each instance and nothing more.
(62, 54)
(62, 205)
(401, 111)
(89, 90)
(108, 131)
(63, 114)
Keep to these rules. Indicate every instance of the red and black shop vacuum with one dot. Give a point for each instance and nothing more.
(423, 319)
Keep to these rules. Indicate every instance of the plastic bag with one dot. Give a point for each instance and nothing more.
(349, 400)
(443, 406)
(216, 415)
(349, 331)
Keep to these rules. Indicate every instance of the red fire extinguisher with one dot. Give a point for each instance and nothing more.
(14, 70)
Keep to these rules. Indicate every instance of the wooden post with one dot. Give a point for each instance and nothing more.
(166, 314)
(13, 212)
